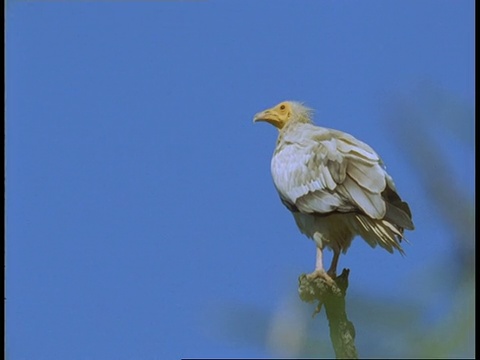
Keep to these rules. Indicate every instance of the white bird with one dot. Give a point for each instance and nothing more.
(335, 186)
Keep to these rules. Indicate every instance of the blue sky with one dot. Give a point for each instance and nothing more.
(139, 197)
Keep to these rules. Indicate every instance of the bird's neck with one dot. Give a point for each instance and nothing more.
(288, 132)
(293, 125)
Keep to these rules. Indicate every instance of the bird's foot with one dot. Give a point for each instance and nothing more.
(322, 274)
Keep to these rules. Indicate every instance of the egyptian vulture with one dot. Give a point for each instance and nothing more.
(335, 186)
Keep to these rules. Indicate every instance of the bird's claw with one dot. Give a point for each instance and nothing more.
(322, 274)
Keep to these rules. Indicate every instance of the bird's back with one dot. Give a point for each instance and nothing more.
(337, 187)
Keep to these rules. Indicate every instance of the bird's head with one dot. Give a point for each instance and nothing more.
(283, 113)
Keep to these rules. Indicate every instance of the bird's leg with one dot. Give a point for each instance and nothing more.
(333, 267)
(319, 261)
(319, 270)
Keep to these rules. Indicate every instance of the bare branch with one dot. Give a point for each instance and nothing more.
(332, 297)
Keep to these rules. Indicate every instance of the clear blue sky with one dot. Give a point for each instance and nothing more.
(139, 197)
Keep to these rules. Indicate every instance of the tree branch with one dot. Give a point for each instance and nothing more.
(332, 297)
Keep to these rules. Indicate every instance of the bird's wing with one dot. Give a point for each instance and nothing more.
(330, 171)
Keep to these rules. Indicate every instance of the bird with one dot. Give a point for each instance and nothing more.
(336, 186)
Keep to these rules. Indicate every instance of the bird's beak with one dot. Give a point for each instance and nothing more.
(268, 116)
(262, 116)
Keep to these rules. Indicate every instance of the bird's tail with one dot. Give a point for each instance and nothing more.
(379, 232)
(397, 211)
(387, 232)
